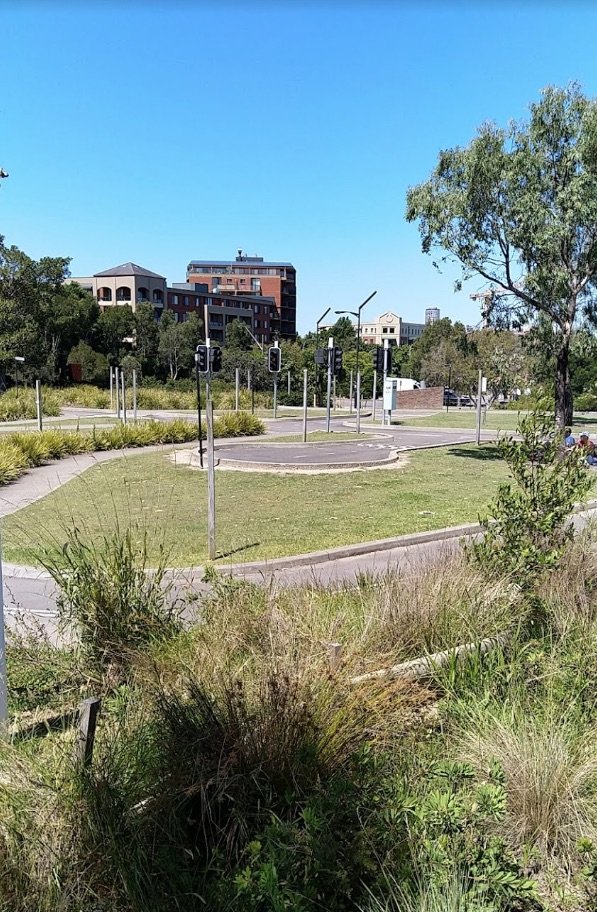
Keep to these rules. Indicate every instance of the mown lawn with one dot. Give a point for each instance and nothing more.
(496, 420)
(259, 515)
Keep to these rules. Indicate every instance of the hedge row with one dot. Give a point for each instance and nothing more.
(24, 450)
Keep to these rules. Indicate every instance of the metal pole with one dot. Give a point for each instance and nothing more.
(123, 388)
(3, 678)
(305, 407)
(276, 375)
(38, 405)
(252, 388)
(16, 378)
(116, 381)
(386, 345)
(237, 389)
(350, 396)
(479, 388)
(358, 402)
(358, 350)
(199, 410)
(211, 483)
(111, 388)
(289, 383)
(374, 392)
(329, 395)
(335, 402)
(449, 388)
(135, 396)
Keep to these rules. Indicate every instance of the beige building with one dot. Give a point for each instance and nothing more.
(391, 327)
(126, 284)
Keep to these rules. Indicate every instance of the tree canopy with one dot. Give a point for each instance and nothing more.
(519, 208)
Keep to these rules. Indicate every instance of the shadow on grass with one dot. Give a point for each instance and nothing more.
(485, 453)
(237, 550)
(583, 420)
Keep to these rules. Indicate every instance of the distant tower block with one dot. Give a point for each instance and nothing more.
(431, 315)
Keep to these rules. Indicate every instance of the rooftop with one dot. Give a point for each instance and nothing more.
(127, 269)
(248, 261)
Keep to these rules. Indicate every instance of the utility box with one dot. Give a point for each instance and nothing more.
(390, 394)
(393, 386)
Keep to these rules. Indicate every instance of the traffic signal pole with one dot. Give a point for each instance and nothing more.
(358, 402)
(276, 375)
(305, 404)
(386, 345)
(374, 393)
(329, 392)
(211, 469)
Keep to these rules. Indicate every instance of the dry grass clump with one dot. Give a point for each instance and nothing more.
(550, 773)
(400, 614)
(570, 593)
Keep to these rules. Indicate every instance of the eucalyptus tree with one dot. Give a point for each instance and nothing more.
(518, 207)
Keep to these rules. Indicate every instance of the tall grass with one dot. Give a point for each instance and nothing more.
(20, 404)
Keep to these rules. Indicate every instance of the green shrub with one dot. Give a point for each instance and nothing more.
(586, 402)
(20, 405)
(238, 424)
(528, 527)
(106, 593)
(13, 462)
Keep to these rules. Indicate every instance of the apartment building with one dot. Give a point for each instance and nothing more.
(131, 285)
(254, 277)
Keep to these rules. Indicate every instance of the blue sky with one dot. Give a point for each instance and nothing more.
(160, 133)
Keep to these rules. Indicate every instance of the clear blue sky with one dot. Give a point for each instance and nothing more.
(163, 132)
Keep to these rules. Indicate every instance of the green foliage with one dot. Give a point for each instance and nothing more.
(526, 196)
(16, 405)
(94, 366)
(528, 526)
(111, 600)
(586, 402)
(451, 836)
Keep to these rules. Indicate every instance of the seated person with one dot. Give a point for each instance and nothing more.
(569, 440)
(586, 444)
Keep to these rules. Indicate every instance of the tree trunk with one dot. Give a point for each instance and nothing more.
(563, 387)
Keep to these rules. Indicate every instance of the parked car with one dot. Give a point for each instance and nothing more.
(452, 398)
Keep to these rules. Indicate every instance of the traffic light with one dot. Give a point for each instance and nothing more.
(202, 358)
(336, 359)
(321, 357)
(215, 359)
(274, 362)
(382, 360)
(388, 354)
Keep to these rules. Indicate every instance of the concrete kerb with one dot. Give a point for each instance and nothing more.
(311, 557)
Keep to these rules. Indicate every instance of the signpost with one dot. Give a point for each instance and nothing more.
(479, 394)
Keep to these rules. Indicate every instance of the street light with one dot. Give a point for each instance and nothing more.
(18, 360)
(322, 317)
(357, 314)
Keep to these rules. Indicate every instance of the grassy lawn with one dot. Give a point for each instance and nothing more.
(496, 420)
(464, 418)
(260, 515)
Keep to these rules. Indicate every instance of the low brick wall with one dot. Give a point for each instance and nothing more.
(430, 398)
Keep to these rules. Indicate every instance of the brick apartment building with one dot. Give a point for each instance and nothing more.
(255, 277)
(130, 284)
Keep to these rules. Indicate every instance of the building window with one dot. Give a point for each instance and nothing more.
(385, 329)
(175, 299)
(142, 294)
(158, 297)
(123, 293)
(185, 300)
(104, 294)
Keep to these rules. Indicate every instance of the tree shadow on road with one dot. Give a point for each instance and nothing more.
(485, 453)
